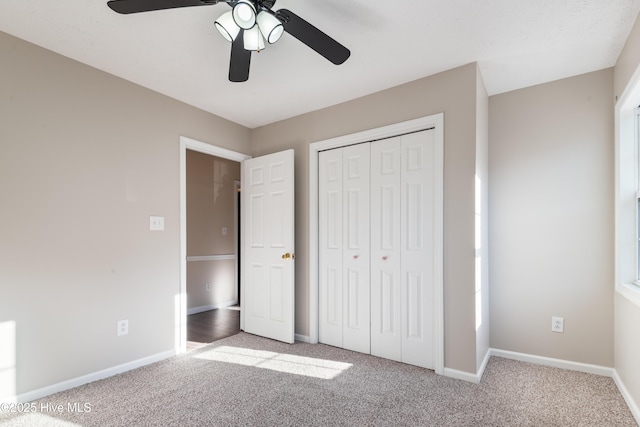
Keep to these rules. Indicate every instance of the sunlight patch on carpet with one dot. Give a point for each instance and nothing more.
(35, 419)
(280, 362)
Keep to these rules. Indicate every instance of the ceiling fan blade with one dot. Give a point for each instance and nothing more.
(135, 6)
(313, 37)
(240, 60)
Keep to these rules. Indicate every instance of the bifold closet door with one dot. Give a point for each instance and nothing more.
(386, 310)
(330, 247)
(402, 227)
(344, 274)
(377, 225)
(419, 226)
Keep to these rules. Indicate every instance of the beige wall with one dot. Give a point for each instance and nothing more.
(221, 275)
(481, 225)
(627, 313)
(551, 218)
(85, 159)
(211, 199)
(454, 93)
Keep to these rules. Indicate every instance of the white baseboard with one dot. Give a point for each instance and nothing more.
(302, 338)
(85, 379)
(468, 376)
(461, 375)
(529, 358)
(631, 403)
(203, 308)
(483, 366)
(556, 363)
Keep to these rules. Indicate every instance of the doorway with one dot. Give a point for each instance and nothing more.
(212, 286)
(207, 306)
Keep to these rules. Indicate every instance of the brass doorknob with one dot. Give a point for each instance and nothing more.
(287, 256)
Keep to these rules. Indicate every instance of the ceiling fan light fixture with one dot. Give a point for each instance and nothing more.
(253, 39)
(227, 26)
(270, 26)
(257, 21)
(244, 14)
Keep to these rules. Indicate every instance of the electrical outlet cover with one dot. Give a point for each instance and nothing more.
(557, 324)
(123, 327)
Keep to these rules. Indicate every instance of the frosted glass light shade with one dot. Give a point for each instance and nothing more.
(270, 26)
(227, 26)
(244, 14)
(253, 39)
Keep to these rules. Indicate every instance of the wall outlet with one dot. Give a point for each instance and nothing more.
(207, 286)
(557, 324)
(123, 327)
(224, 231)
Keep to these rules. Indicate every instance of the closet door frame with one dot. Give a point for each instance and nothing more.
(435, 122)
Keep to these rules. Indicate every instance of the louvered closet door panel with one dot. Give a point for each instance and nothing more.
(355, 279)
(386, 316)
(330, 247)
(417, 224)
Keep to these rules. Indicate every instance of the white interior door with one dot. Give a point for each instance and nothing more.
(405, 299)
(386, 278)
(356, 329)
(419, 225)
(331, 247)
(268, 246)
(344, 304)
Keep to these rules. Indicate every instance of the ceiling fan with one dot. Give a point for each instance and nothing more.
(247, 26)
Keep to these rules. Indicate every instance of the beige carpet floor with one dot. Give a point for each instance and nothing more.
(245, 380)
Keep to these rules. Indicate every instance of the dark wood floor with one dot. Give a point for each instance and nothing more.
(210, 326)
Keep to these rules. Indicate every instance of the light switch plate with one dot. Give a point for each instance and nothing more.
(156, 223)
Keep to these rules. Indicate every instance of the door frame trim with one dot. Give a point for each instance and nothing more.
(180, 302)
(435, 121)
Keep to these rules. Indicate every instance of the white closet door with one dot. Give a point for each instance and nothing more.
(419, 225)
(356, 188)
(386, 317)
(378, 236)
(330, 247)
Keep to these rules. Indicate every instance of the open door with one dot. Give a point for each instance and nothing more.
(268, 246)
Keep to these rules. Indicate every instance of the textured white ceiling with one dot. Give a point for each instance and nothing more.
(178, 52)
